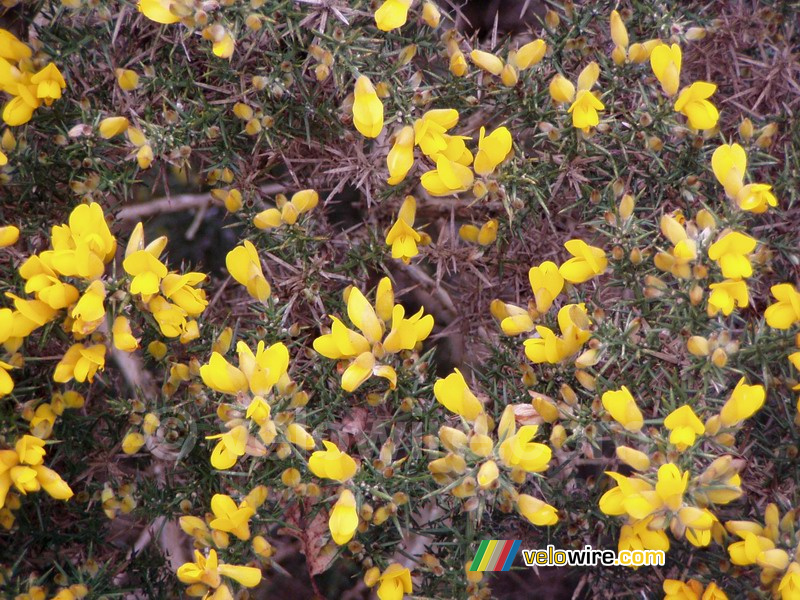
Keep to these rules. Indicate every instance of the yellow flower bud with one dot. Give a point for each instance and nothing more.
(127, 79)
(487, 61)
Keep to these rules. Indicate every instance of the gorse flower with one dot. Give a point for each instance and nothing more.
(289, 210)
(343, 519)
(244, 265)
(684, 426)
(392, 14)
(587, 262)
(158, 11)
(454, 394)
(492, 150)
(257, 373)
(585, 105)
(401, 157)
(693, 103)
(666, 64)
(744, 402)
(730, 252)
(332, 463)
(22, 468)
(622, 407)
(402, 236)
(205, 574)
(363, 350)
(786, 311)
(367, 107)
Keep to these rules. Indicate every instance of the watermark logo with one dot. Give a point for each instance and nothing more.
(495, 555)
(499, 555)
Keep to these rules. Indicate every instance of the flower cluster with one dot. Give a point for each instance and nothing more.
(360, 352)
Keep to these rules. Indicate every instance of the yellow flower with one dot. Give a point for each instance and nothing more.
(518, 451)
(537, 512)
(391, 15)
(82, 248)
(546, 283)
(561, 89)
(244, 266)
(487, 61)
(205, 573)
(731, 251)
(81, 363)
(745, 401)
(458, 64)
(89, 312)
(431, 14)
(454, 394)
(641, 535)
(11, 48)
(671, 485)
(343, 519)
(127, 79)
(530, 54)
(362, 368)
(587, 262)
(693, 103)
(144, 156)
(265, 368)
(300, 437)
(147, 272)
(49, 82)
(230, 447)
(132, 442)
(231, 518)
(487, 474)
(9, 234)
(406, 333)
(726, 295)
(756, 197)
(394, 582)
(448, 178)
(222, 376)
(487, 234)
(342, 342)
(633, 458)
(492, 150)
(179, 288)
(401, 157)
(22, 467)
(684, 426)
(430, 130)
(158, 11)
(678, 590)
(666, 63)
(786, 311)
(621, 405)
(614, 501)
(546, 348)
(112, 126)
(332, 463)
(584, 110)
(402, 237)
(43, 281)
(6, 383)
(619, 35)
(729, 164)
(789, 586)
(367, 107)
(223, 45)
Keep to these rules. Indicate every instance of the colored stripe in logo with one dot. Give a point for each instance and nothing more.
(495, 555)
